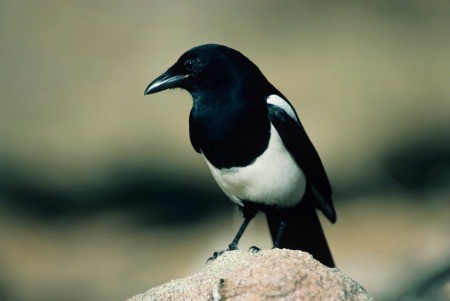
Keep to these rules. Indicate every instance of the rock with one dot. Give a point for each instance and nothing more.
(277, 274)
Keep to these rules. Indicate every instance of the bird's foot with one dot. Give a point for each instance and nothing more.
(254, 249)
(231, 247)
(215, 255)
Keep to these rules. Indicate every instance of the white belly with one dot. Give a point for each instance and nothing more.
(273, 179)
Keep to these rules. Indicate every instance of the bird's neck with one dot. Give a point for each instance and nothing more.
(233, 128)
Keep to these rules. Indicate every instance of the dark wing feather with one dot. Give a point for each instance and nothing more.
(298, 144)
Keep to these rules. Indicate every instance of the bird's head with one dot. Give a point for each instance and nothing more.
(207, 67)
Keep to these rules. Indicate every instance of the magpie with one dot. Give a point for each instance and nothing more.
(255, 146)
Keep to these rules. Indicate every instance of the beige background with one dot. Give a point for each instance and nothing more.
(370, 82)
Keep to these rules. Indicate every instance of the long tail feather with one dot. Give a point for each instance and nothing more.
(303, 230)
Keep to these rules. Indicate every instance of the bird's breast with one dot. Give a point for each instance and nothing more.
(230, 137)
(274, 178)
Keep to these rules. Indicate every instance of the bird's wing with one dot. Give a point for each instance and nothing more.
(298, 144)
(193, 134)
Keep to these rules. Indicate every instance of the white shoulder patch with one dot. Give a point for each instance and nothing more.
(282, 104)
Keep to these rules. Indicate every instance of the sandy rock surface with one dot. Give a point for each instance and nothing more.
(267, 275)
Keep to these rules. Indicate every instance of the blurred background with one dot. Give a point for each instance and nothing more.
(102, 196)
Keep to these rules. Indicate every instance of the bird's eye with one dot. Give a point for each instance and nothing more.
(190, 65)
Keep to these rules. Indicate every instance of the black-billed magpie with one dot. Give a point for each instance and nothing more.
(255, 146)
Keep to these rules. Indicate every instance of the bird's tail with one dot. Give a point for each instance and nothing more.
(303, 230)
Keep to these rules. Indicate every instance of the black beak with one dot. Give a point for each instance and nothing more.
(164, 82)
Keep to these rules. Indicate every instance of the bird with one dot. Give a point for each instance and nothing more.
(255, 147)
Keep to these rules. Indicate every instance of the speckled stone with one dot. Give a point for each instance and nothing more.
(268, 275)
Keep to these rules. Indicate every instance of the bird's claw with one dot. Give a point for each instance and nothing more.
(254, 249)
(214, 256)
(231, 247)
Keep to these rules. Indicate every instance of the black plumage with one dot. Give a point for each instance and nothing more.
(247, 131)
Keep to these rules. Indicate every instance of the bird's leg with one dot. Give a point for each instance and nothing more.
(249, 214)
(276, 244)
(234, 244)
